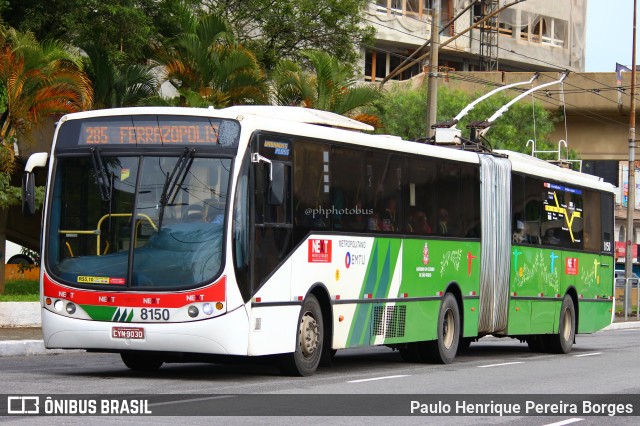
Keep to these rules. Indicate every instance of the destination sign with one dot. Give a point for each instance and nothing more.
(149, 130)
(156, 135)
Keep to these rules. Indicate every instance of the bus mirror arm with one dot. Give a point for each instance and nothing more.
(276, 194)
(257, 158)
(28, 182)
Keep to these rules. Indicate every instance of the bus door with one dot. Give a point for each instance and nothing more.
(272, 239)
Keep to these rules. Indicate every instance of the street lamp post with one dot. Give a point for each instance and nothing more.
(432, 88)
(631, 186)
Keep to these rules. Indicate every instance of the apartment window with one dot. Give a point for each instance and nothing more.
(375, 65)
(544, 30)
(418, 9)
(506, 23)
(379, 63)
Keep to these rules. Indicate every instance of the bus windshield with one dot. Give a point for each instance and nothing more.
(137, 221)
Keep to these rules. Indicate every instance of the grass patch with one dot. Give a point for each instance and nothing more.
(21, 291)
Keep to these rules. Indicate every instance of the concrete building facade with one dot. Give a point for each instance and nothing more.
(537, 35)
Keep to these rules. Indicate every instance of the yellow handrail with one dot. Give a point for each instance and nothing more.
(98, 231)
(69, 248)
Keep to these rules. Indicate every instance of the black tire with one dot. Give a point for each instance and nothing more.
(309, 341)
(20, 259)
(537, 343)
(444, 349)
(409, 352)
(464, 344)
(326, 360)
(562, 342)
(141, 361)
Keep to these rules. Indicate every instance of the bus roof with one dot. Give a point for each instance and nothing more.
(302, 115)
(306, 122)
(527, 164)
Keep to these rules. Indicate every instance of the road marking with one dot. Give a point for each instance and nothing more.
(499, 365)
(591, 354)
(565, 422)
(378, 378)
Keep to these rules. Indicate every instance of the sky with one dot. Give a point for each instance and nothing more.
(609, 34)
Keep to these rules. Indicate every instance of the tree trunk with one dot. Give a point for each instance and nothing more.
(3, 243)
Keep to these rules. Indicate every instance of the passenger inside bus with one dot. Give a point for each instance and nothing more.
(443, 223)
(389, 215)
(550, 237)
(375, 223)
(520, 236)
(419, 224)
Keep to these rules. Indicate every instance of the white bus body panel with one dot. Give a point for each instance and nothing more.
(273, 329)
(224, 335)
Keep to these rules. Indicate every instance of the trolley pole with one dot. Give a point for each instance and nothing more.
(432, 83)
(631, 189)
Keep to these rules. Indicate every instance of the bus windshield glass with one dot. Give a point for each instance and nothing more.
(138, 222)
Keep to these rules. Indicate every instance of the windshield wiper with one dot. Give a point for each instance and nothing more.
(103, 176)
(173, 182)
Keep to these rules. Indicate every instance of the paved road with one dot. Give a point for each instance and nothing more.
(603, 363)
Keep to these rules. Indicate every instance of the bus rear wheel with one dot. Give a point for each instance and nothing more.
(309, 341)
(141, 361)
(444, 349)
(562, 342)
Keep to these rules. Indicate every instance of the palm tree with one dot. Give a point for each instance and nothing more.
(118, 86)
(38, 79)
(207, 67)
(327, 85)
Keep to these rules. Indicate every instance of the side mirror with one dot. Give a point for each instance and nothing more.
(277, 188)
(28, 194)
(29, 182)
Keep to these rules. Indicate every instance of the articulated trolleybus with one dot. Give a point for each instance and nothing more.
(179, 235)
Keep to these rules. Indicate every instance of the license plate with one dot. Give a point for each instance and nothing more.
(127, 332)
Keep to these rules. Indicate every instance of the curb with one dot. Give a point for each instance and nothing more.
(29, 348)
(622, 325)
(20, 314)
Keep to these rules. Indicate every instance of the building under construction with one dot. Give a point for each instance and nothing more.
(531, 35)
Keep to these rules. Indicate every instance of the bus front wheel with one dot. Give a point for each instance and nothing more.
(141, 361)
(309, 341)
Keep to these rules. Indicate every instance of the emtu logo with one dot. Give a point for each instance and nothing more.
(319, 251)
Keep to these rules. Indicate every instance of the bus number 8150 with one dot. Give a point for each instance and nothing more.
(154, 314)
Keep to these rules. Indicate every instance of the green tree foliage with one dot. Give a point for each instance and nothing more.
(38, 79)
(278, 29)
(207, 66)
(118, 85)
(403, 113)
(121, 28)
(12, 195)
(325, 84)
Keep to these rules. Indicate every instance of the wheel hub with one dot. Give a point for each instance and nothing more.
(448, 329)
(309, 335)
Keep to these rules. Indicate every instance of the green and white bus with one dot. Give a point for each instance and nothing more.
(178, 235)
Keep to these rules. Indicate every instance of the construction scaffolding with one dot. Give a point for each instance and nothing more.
(488, 59)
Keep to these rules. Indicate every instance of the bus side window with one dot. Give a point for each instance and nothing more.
(241, 231)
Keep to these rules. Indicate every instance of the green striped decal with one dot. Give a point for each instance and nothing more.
(385, 252)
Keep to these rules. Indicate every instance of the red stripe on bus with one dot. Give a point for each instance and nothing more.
(214, 292)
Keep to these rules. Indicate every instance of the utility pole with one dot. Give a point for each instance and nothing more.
(631, 186)
(432, 83)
